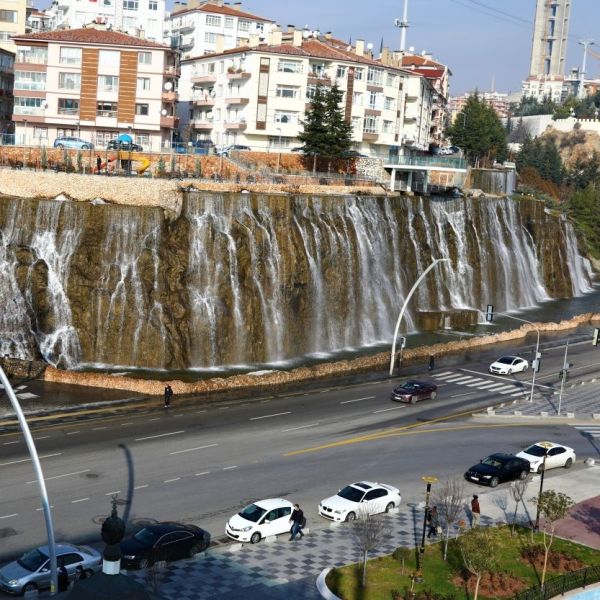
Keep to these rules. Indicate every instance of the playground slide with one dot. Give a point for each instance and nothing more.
(144, 163)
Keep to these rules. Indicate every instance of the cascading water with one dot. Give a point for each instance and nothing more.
(247, 279)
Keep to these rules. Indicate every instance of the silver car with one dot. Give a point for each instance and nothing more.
(32, 570)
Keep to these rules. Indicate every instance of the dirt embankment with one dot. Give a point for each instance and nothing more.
(275, 378)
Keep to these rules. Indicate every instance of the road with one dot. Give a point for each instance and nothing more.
(203, 462)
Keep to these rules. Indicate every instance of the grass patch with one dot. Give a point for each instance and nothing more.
(442, 579)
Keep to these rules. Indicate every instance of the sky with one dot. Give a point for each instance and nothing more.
(482, 41)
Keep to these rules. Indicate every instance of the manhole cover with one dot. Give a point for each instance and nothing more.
(92, 475)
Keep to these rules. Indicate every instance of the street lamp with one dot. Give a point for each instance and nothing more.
(546, 446)
(429, 480)
(408, 297)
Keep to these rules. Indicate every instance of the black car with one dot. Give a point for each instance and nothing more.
(497, 468)
(122, 145)
(163, 541)
(413, 391)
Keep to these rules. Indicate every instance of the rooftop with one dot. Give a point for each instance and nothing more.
(221, 10)
(89, 35)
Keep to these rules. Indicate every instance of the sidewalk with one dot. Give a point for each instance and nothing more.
(283, 570)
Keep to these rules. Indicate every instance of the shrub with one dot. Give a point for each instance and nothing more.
(44, 158)
(160, 168)
(197, 167)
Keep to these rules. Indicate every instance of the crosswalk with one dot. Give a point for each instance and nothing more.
(592, 431)
(20, 393)
(480, 383)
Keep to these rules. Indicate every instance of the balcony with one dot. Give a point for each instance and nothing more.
(169, 96)
(410, 116)
(170, 121)
(237, 100)
(238, 75)
(235, 125)
(107, 113)
(71, 112)
(203, 101)
(172, 71)
(206, 78)
(318, 79)
(186, 42)
(428, 161)
(187, 27)
(370, 136)
(201, 124)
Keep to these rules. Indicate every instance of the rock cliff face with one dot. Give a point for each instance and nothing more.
(240, 279)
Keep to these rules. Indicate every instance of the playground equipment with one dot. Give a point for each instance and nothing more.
(124, 157)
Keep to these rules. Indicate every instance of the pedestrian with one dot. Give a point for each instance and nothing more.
(434, 522)
(98, 164)
(80, 573)
(168, 396)
(475, 511)
(298, 522)
(431, 362)
(63, 579)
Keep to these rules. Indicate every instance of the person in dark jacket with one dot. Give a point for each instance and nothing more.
(434, 522)
(431, 362)
(80, 573)
(297, 521)
(168, 396)
(63, 579)
(98, 164)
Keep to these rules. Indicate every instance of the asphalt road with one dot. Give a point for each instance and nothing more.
(203, 462)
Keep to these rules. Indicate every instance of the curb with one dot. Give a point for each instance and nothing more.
(322, 588)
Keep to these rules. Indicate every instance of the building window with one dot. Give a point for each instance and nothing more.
(5, 35)
(103, 137)
(359, 74)
(130, 4)
(311, 90)
(287, 91)
(390, 80)
(8, 16)
(68, 106)
(357, 124)
(375, 100)
(144, 58)
(387, 127)
(32, 54)
(153, 5)
(30, 80)
(69, 81)
(375, 76)
(318, 69)
(213, 21)
(389, 103)
(129, 23)
(243, 26)
(108, 83)
(66, 133)
(341, 72)
(142, 110)
(210, 38)
(109, 58)
(142, 139)
(28, 106)
(228, 22)
(357, 99)
(285, 116)
(371, 124)
(278, 141)
(143, 84)
(70, 56)
(289, 66)
(106, 109)
(40, 133)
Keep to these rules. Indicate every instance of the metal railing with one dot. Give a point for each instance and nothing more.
(428, 161)
(557, 586)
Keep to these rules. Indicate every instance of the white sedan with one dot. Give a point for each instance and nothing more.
(507, 365)
(558, 456)
(359, 498)
(262, 519)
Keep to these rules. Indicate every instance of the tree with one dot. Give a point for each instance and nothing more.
(449, 498)
(517, 491)
(339, 129)
(478, 548)
(552, 506)
(368, 531)
(315, 135)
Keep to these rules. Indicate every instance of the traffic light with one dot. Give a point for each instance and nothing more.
(535, 364)
(402, 342)
(489, 313)
(596, 336)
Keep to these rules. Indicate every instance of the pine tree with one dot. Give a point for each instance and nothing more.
(315, 135)
(339, 129)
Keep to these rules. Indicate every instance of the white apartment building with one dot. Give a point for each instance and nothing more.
(257, 95)
(130, 16)
(93, 84)
(13, 14)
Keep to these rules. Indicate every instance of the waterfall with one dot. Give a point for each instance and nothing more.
(579, 266)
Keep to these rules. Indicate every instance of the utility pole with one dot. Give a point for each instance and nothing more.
(402, 24)
(564, 375)
(585, 44)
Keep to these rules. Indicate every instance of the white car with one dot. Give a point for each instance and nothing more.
(262, 519)
(358, 498)
(558, 456)
(507, 365)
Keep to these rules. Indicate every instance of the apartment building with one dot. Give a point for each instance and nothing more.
(130, 16)
(94, 84)
(498, 101)
(13, 15)
(257, 95)
(7, 75)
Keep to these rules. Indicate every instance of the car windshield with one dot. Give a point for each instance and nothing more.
(252, 513)
(506, 360)
(32, 560)
(146, 536)
(411, 385)
(351, 493)
(492, 461)
(535, 450)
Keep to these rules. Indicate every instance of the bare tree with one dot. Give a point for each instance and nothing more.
(368, 531)
(517, 491)
(449, 498)
(478, 548)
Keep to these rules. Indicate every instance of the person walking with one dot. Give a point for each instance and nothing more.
(475, 511)
(297, 521)
(63, 579)
(431, 362)
(168, 396)
(434, 522)
(98, 164)
(80, 573)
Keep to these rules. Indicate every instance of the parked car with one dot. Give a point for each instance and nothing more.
(507, 365)
(262, 519)
(353, 154)
(32, 571)
(299, 149)
(122, 145)
(497, 468)
(226, 150)
(163, 541)
(72, 142)
(414, 391)
(558, 456)
(356, 498)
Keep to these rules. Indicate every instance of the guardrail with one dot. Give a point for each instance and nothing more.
(557, 586)
(428, 161)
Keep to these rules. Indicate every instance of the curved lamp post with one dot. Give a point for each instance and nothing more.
(412, 291)
(546, 446)
(429, 480)
(40, 478)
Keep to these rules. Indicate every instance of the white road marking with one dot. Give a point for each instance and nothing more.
(14, 462)
(203, 473)
(461, 395)
(60, 476)
(80, 500)
(123, 424)
(112, 493)
(199, 412)
(41, 508)
(9, 516)
(99, 428)
(229, 468)
(457, 378)
(180, 415)
(26, 395)
(171, 480)
(155, 419)
(223, 407)
(301, 427)
(357, 400)
(496, 387)
(511, 391)
(9, 443)
(73, 432)
(152, 437)
(273, 415)
(193, 449)
(140, 487)
(386, 409)
(42, 437)
(443, 374)
(21, 387)
(489, 384)
(518, 393)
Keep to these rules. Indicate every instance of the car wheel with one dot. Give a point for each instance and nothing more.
(569, 463)
(523, 475)
(540, 468)
(144, 563)
(60, 146)
(255, 538)
(85, 147)
(410, 400)
(29, 587)
(509, 372)
(524, 369)
(351, 516)
(195, 549)
(89, 572)
(389, 507)
(494, 482)
(433, 395)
